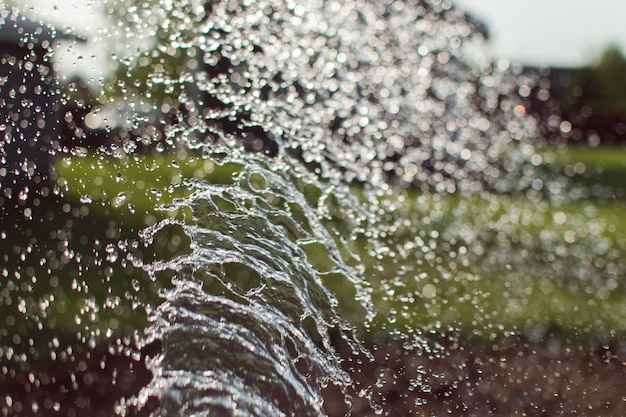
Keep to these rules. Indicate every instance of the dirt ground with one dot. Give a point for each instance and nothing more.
(510, 378)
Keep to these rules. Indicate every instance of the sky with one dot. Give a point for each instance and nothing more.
(90, 59)
(565, 33)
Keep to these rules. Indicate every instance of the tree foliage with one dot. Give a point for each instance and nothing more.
(606, 82)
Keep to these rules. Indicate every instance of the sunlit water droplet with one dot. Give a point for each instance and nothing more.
(119, 199)
(259, 282)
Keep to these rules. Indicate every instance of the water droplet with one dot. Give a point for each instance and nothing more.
(119, 199)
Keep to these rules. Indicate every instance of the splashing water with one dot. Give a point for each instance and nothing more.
(248, 288)
(334, 183)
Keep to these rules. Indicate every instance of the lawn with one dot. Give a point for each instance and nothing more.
(486, 264)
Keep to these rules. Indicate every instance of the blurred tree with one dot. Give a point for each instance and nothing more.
(591, 99)
(605, 85)
(600, 86)
(156, 57)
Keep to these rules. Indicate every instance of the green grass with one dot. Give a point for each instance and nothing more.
(132, 186)
(497, 263)
(71, 243)
(539, 267)
(515, 265)
(610, 157)
(605, 165)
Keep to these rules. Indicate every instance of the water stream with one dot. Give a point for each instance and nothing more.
(298, 208)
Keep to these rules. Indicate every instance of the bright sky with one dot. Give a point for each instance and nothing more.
(536, 32)
(550, 32)
(83, 17)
